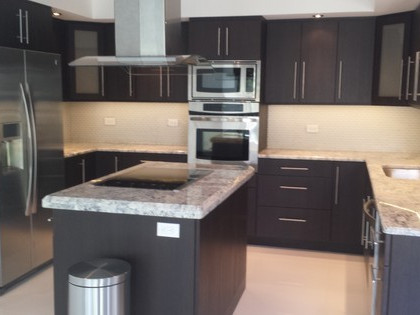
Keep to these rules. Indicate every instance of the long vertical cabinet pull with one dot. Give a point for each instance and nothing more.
(227, 41)
(401, 79)
(83, 165)
(337, 182)
(340, 79)
(27, 26)
(102, 81)
(218, 40)
(416, 77)
(303, 78)
(295, 80)
(130, 82)
(168, 82)
(20, 16)
(116, 168)
(407, 85)
(160, 83)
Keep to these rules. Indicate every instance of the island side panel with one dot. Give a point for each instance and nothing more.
(222, 256)
(162, 279)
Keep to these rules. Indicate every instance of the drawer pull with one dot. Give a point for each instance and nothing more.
(294, 187)
(292, 220)
(289, 168)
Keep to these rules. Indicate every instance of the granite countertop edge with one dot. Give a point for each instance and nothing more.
(397, 200)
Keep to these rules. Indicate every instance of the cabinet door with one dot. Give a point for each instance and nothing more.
(242, 39)
(85, 83)
(9, 23)
(79, 169)
(319, 53)
(282, 70)
(106, 163)
(391, 59)
(205, 38)
(355, 61)
(176, 84)
(350, 189)
(148, 84)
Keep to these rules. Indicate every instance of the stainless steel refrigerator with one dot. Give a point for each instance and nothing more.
(31, 159)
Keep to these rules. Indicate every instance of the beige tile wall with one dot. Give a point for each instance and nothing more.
(355, 128)
(139, 123)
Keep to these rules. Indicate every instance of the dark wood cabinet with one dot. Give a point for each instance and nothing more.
(301, 62)
(352, 186)
(413, 76)
(26, 25)
(392, 64)
(310, 204)
(227, 38)
(355, 61)
(79, 169)
(83, 83)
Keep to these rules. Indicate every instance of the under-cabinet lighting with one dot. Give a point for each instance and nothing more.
(318, 15)
(56, 13)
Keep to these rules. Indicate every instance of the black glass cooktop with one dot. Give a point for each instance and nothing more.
(154, 178)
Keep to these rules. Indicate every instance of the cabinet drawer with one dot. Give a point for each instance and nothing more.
(288, 167)
(296, 192)
(293, 224)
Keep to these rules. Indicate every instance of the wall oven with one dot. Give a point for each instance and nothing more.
(223, 132)
(225, 79)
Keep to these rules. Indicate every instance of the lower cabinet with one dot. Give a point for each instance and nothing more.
(310, 204)
(85, 167)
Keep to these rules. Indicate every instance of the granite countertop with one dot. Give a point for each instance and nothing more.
(72, 149)
(398, 200)
(194, 201)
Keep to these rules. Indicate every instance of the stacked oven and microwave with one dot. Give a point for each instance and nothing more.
(224, 112)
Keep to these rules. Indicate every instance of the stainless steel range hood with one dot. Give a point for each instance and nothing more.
(147, 33)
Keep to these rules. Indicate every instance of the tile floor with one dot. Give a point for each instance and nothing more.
(279, 282)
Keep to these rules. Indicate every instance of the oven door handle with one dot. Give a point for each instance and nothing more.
(225, 119)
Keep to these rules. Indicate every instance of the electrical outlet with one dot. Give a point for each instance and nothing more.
(312, 128)
(173, 122)
(168, 230)
(110, 121)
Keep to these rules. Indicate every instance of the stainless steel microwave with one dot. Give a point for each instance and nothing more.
(225, 79)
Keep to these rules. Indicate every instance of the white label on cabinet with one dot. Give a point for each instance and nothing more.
(168, 229)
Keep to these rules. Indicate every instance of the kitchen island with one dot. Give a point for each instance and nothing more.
(186, 247)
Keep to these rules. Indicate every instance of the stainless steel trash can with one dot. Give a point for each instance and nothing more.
(99, 287)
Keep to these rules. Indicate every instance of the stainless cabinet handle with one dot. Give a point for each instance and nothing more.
(292, 220)
(116, 168)
(102, 81)
(295, 81)
(130, 82)
(168, 83)
(289, 168)
(340, 79)
(337, 180)
(416, 77)
(303, 78)
(293, 187)
(407, 85)
(227, 41)
(20, 36)
(401, 79)
(27, 26)
(82, 164)
(160, 82)
(218, 40)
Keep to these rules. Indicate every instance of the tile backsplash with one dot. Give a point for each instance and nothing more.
(348, 128)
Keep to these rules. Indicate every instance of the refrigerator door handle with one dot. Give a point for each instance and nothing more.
(30, 122)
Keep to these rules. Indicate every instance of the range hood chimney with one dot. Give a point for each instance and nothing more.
(147, 33)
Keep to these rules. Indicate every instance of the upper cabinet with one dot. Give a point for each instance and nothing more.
(393, 66)
(26, 25)
(319, 61)
(300, 62)
(227, 38)
(414, 79)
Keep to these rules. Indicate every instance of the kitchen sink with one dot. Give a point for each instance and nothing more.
(402, 172)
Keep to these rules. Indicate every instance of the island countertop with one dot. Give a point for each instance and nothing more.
(397, 200)
(194, 201)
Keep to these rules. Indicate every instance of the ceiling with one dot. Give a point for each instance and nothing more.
(102, 10)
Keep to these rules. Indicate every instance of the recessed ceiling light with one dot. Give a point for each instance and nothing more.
(318, 15)
(56, 13)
